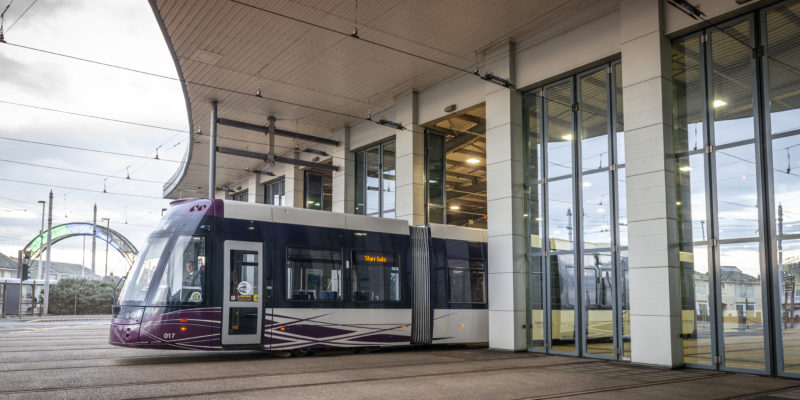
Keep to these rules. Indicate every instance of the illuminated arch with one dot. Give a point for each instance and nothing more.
(64, 231)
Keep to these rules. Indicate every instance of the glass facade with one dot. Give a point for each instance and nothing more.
(376, 182)
(737, 101)
(274, 193)
(577, 262)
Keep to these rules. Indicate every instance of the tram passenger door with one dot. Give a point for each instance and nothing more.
(242, 309)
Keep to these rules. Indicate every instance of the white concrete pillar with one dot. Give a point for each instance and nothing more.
(294, 185)
(655, 288)
(410, 148)
(255, 192)
(505, 178)
(344, 178)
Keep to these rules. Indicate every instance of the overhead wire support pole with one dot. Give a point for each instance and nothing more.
(271, 155)
(94, 239)
(212, 152)
(47, 267)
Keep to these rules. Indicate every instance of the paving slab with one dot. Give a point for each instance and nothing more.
(71, 359)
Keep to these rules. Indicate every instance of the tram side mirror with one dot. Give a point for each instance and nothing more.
(206, 228)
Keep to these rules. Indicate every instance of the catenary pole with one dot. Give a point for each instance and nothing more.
(212, 152)
(40, 271)
(94, 239)
(47, 268)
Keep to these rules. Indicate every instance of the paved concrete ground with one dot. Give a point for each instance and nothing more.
(71, 359)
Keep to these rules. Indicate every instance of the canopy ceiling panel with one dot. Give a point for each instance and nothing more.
(224, 48)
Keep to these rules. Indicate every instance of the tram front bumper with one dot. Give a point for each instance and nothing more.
(125, 326)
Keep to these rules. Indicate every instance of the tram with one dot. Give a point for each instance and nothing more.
(219, 275)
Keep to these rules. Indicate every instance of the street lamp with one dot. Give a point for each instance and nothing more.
(108, 223)
(41, 232)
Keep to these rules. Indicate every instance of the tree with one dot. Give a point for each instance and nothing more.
(81, 296)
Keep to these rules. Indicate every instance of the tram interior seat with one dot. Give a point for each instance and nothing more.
(328, 295)
(364, 296)
(304, 295)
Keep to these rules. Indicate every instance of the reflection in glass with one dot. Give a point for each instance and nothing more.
(388, 181)
(598, 288)
(789, 296)
(559, 217)
(783, 50)
(691, 199)
(625, 302)
(742, 308)
(622, 210)
(696, 304)
(737, 199)
(435, 163)
(361, 183)
(562, 302)
(373, 160)
(536, 302)
(594, 120)
(620, 119)
(688, 92)
(596, 213)
(731, 98)
(786, 181)
(560, 131)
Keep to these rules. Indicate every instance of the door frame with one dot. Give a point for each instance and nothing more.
(227, 303)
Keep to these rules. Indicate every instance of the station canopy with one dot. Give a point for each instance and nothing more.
(300, 53)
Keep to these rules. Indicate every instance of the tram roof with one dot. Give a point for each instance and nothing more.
(232, 45)
(306, 217)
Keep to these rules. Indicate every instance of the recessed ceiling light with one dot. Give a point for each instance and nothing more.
(473, 160)
(567, 137)
(719, 103)
(685, 168)
(455, 208)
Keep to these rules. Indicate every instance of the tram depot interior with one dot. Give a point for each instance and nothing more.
(635, 163)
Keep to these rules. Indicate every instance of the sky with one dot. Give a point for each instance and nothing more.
(119, 32)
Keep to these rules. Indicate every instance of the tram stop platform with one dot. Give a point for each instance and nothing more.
(63, 358)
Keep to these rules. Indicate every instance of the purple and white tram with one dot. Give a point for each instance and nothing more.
(231, 275)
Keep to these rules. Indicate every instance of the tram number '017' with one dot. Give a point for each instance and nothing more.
(169, 336)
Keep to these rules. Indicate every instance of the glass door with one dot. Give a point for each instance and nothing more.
(242, 304)
(780, 34)
(577, 258)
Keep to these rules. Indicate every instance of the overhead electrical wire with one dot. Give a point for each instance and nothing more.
(21, 15)
(185, 81)
(79, 189)
(94, 116)
(79, 171)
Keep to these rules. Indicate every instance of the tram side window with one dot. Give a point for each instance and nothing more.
(467, 281)
(313, 274)
(184, 275)
(376, 277)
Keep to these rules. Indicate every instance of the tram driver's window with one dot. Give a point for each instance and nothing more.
(467, 280)
(376, 277)
(313, 274)
(184, 275)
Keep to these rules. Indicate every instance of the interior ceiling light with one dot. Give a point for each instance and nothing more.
(455, 208)
(719, 103)
(567, 136)
(473, 160)
(685, 168)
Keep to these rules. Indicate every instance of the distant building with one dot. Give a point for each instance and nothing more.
(58, 270)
